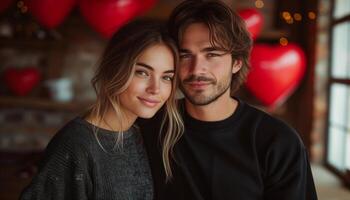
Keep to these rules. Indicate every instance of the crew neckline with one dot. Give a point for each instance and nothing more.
(105, 132)
(196, 124)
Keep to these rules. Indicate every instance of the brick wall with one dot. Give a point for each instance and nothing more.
(321, 76)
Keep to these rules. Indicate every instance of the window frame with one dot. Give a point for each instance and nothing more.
(344, 175)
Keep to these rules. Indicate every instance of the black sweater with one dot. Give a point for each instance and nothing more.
(76, 167)
(248, 156)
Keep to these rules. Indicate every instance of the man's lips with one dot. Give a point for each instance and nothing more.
(198, 84)
(148, 101)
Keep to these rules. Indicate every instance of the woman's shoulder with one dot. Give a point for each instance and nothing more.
(75, 134)
(66, 161)
(76, 128)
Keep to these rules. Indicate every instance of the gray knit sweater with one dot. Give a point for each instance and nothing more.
(76, 167)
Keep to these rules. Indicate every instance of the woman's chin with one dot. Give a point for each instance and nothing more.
(147, 115)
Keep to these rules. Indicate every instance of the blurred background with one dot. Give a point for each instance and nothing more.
(300, 74)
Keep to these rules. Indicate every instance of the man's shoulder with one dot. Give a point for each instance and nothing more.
(269, 128)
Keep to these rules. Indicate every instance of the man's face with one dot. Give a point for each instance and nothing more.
(205, 71)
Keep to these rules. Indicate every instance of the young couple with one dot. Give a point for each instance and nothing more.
(210, 145)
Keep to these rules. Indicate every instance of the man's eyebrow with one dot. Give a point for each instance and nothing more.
(208, 49)
(152, 69)
(184, 51)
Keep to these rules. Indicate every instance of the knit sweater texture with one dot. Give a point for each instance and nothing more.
(75, 166)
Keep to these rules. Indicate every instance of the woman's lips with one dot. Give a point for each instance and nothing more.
(149, 102)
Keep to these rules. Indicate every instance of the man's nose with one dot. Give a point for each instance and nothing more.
(198, 65)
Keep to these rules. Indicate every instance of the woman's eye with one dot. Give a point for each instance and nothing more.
(141, 73)
(168, 78)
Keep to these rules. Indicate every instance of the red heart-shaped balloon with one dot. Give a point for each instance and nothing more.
(146, 5)
(21, 81)
(253, 19)
(4, 4)
(50, 13)
(276, 72)
(106, 16)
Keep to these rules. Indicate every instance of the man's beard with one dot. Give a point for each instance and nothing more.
(199, 99)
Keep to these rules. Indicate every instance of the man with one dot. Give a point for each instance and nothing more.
(229, 149)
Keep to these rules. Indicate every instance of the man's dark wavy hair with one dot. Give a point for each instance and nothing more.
(227, 31)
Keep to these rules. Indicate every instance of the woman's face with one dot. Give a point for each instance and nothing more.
(151, 83)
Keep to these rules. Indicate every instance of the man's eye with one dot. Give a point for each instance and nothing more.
(184, 56)
(212, 55)
(141, 73)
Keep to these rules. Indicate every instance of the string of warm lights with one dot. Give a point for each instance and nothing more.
(23, 27)
(259, 4)
(23, 8)
(283, 41)
(289, 18)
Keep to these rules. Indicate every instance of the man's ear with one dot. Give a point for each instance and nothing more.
(236, 66)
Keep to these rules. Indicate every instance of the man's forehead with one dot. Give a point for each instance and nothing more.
(198, 44)
(203, 45)
(195, 38)
(197, 35)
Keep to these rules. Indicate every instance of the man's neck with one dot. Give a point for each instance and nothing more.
(218, 110)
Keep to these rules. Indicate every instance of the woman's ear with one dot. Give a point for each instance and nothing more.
(236, 66)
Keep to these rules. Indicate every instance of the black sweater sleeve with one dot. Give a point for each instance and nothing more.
(63, 172)
(284, 163)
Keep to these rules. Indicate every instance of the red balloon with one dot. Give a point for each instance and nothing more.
(147, 4)
(50, 13)
(276, 72)
(254, 21)
(107, 16)
(4, 4)
(21, 81)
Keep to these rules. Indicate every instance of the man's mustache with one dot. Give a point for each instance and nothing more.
(193, 78)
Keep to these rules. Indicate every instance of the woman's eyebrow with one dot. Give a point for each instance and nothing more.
(145, 66)
(152, 69)
(169, 71)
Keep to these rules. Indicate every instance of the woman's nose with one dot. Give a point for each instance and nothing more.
(154, 86)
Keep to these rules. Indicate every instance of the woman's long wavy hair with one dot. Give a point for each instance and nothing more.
(115, 73)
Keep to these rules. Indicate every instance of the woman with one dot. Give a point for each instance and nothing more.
(101, 155)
